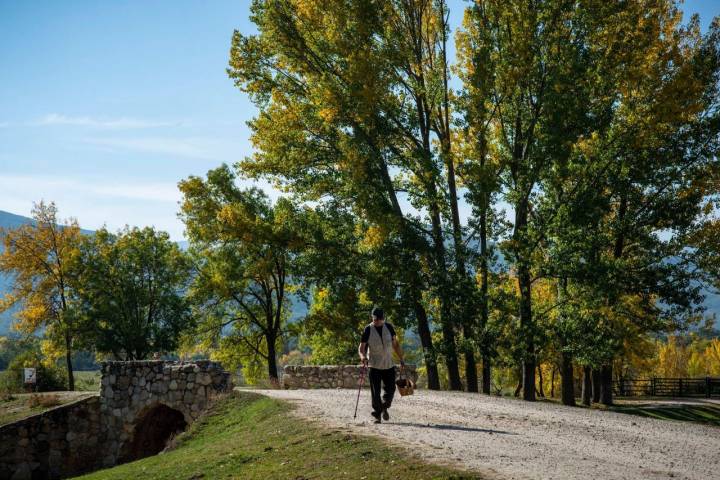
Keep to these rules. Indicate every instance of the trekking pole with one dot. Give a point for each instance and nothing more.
(362, 382)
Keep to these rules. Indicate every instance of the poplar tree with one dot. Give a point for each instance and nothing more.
(38, 257)
(357, 124)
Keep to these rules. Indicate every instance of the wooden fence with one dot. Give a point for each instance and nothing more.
(668, 387)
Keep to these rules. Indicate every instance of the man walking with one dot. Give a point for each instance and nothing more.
(376, 346)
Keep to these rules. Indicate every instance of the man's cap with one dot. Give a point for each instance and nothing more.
(378, 313)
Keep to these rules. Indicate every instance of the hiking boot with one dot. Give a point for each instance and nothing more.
(376, 416)
(385, 414)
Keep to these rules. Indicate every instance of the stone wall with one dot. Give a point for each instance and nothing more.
(330, 376)
(130, 391)
(60, 442)
(132, 411)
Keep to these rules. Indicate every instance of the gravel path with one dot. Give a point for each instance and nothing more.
(510, 439)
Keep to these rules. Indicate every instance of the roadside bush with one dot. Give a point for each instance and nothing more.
(87, 381)
(45, 401)
(49, 378)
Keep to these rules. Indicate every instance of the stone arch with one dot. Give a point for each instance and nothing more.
(153, 395)
(153, 427)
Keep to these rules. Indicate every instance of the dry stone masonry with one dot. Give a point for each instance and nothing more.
(141, 404)
(58, 443)
(330, 376)
(133, 392)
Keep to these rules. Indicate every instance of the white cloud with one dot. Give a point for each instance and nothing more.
(106, 123)
(190, 147)
(156, 192)
(97, 202)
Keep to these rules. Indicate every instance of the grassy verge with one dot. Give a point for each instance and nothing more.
(709, 414)
(18, 406)
(249, 436)
(87, 381)
(701, 413)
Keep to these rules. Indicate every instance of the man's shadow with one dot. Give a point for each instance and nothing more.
(460, 428)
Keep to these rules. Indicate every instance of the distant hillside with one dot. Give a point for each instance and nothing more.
(8, 220)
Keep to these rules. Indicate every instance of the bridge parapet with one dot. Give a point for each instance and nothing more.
(133, 392)
(141, 405)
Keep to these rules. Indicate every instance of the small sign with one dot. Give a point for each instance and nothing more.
(30, 375)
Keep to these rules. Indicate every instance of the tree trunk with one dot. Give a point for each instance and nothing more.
(68, 361)
(527, 330)
(443, 127)
(595, 385)
(541, 389)
(606, 396)
(552, 381)
(568, 382)
(451, 360)
(528, 382)
(519, 387)
(471, 372)
(428, 351)
(587, 386)
(446, 318)
(271, 358)
(486, 374)
(484, 271)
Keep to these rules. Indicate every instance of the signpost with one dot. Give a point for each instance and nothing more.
(30, 377)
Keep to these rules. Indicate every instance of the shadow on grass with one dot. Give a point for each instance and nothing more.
(451, 427)
(707, 414)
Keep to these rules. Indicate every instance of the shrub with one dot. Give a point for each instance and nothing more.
(45, 401)
(49, 378)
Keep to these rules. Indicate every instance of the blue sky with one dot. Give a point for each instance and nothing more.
(106, 105)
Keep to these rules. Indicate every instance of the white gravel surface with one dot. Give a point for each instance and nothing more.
(511, 439)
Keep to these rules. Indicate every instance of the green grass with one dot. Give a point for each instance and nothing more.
(14, 408)
(87, 381)
(709, 414)
(704, 413)
(18, 406)
(249, 436)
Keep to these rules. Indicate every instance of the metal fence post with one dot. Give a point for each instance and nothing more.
(652, 387)
(680, 392)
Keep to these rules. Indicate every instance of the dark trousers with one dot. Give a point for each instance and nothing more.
(387, 379)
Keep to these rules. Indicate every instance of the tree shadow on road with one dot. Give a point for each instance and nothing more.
(442, 426)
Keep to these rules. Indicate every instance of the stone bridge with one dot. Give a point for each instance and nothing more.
(142, 404)
(145, 402)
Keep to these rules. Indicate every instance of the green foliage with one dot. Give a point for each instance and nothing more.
(244, 251)
(327, 350)
(131, 287)
(88, 380)
(356, 127)
(39, 258)
(600, 141)
(13, 345)
(49, 376)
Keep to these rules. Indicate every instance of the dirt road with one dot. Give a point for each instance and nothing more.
(511, 439)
